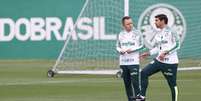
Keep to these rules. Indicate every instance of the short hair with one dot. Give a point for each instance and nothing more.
(125, 18)
(162, 17)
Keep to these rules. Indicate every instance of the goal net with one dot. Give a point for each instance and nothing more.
(90, 48)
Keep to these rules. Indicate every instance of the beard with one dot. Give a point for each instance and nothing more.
(157, 26)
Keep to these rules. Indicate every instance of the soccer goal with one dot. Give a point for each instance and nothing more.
(94, 52)
(90, 47)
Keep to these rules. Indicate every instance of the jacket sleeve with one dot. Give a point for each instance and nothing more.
(118, 45)
(155, 48)
(175, 38)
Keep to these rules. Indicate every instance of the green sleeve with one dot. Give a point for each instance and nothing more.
(177, 46)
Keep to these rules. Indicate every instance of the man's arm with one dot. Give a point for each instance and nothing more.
(175, 39)
(153, 51)
(118, 46)
(149, 53)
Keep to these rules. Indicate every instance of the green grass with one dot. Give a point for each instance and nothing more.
(27, 81)
(100, 63)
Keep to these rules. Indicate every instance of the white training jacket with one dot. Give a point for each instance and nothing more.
(129, 40)
(166, 40)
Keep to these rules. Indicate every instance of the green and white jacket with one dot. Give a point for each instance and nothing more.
(166, 40)
(129, 40)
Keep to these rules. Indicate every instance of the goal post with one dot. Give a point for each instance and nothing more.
(126, 7)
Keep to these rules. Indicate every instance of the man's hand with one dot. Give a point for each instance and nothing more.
(144, 55)
(129, 51)
(122, 52)
(162, 56)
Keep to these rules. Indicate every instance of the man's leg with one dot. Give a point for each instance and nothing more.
(170, 73)
(145, 73)
(134, 73)
(127, 82)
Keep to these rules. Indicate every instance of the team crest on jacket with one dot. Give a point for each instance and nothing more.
(147, 26)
